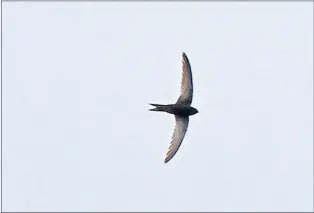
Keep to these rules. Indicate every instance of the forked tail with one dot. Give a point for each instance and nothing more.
(159, 107)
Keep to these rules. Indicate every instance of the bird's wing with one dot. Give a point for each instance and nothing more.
(180, 129)
(186, 82)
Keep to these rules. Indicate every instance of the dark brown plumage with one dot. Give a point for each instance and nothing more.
(181, 109)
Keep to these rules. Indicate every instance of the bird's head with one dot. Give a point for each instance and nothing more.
(193, 111)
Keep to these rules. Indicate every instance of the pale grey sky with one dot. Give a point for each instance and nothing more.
(77, 80)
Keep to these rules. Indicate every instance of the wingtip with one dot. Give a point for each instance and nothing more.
(184, 56)
(167, 159)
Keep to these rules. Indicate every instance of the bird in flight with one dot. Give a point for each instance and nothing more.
(181, 110)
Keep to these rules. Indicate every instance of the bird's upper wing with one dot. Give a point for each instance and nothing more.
(186, 82)
(180, 129)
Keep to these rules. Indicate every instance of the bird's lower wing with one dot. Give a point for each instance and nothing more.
(180, 129)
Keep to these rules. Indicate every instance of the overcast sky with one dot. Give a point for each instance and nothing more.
(77, 80)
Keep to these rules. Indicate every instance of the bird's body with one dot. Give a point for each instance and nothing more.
(176, 109)
(181, 109)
